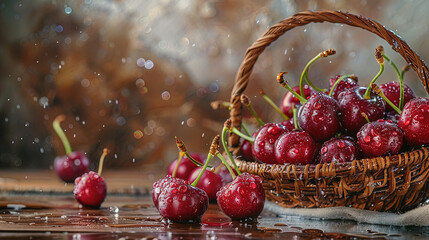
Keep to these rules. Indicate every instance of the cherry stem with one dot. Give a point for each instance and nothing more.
(220, 105)
(224, 162)
(100, 165)
(61, 134)
(243, 126)
(181, 146)
(380, 93)
(242, 135)
(179, 160)
(284, 84)
(337, 82)
(295, 118)
(213, 150)
(380, 60)
(404, 69)
(365, 116)
(270, 101)
(245, 100)
(304, 73)
(225, 146)
(401, 81)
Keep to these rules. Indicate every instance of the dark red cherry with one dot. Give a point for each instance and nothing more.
(69, 167)
(159, 185)
(392, 116)
(414, 121)
(296, 147)
(225, 175)
(186, 166)
(353, 104)
(289, 100)
(243, 198)
(338, 150)
(320, 117)
(380, 138)
(263, 146)
(393, 92)
(246, 150)
(90, 190)
(210, 182)
(344, 85)
(181, 202)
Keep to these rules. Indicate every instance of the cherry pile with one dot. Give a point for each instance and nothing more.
(340, 124)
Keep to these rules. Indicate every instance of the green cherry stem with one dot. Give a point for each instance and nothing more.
(284, 84)
(365, 116)
(181, 146)
(179, 160)
(60, 132)
(246, 101)
(243, 126)
(380, 61)
(226, 165)
(242, 135)
(400, 77)
(212, 152)
(304, 73)
(404, 69)
(270, 101)
(227, 127)
(295, 118)
(337, 82)
(100, 165)
(380, 93)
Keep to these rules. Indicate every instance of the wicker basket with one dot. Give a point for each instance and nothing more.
(390, 183)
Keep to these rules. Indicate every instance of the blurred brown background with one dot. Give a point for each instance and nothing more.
(131, 75)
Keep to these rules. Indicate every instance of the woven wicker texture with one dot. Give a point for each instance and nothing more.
(391, 183)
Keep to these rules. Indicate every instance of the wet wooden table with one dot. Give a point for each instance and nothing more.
(36, 205)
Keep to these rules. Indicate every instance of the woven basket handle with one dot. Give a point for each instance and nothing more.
(304, 18)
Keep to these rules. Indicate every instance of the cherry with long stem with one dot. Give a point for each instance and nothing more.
(380, 93)
(304, 73)
(246, 101)
(400, 76)
(213, 150)
(337, 82)
(380, 60)
(280, 79)
(269, 101)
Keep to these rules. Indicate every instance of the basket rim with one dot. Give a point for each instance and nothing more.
(301, 19)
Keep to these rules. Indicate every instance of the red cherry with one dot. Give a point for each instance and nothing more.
(353, 104)
(296, 147)
(289, 100)
(159, 185)
(320, 117)
(344, 85)
(181, 202)
(339, 150)
(380, 138)
(393, 92)
(243, 198)
(288, 124)
(69, 167)
(186, 166)
(90, 190)
(246, 150)
(263, 146)
(210, 182)
(414, 121)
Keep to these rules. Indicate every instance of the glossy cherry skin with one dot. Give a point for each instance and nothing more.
(380, 138)
(288, 124)
(338, 150)
(296, 147)
(289, 99)
(68, 168)
(243, 198)
(246, 150)
(181, 202)
(342, 86)
(186, 166)
(414, 121)
(90, 190)
(352, 104)
(320, 117)
(392, 91)
(159, 185)
(210, 182)
(263, 146)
